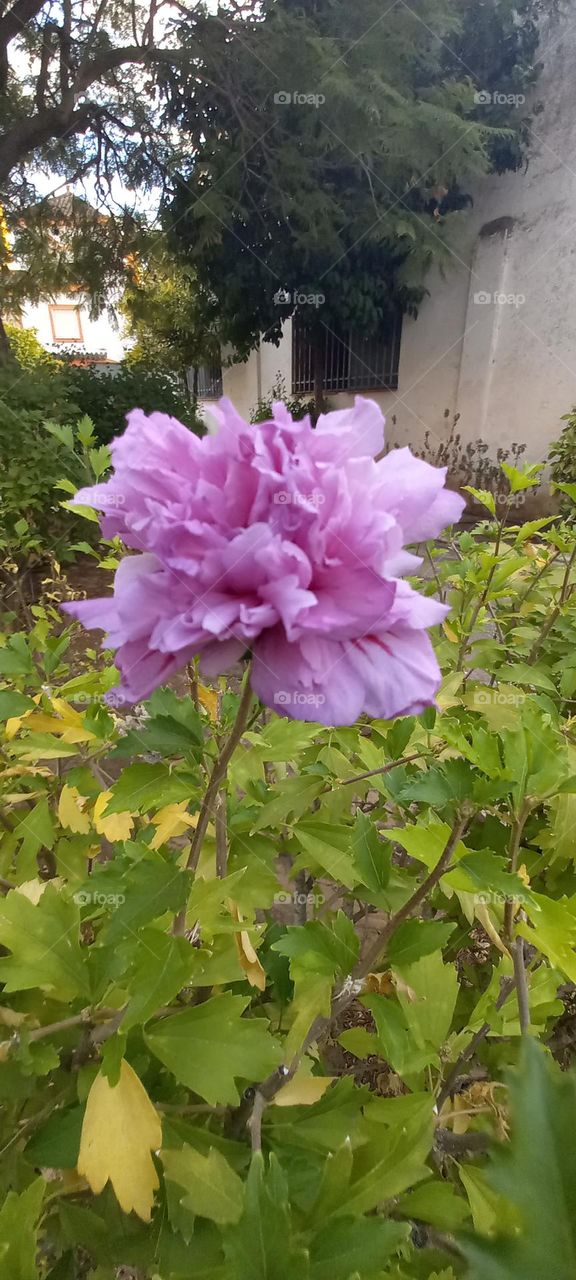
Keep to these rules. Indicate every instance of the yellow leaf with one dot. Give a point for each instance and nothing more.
(449, 633)
(209, 700)
(13, 724)
(121, 1128)
(33, 889)
(247, 956)
(70, 810)
(116, 826)
(51, 724)
(11, 1018)
(303, 1090)
(483, 915)
(171, 821)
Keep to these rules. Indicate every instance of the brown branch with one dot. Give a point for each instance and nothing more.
(420, 894)
(507, 985)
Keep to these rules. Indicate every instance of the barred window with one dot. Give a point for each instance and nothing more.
(209, 382)
(351, 363)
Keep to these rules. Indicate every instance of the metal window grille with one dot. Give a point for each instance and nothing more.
(351, 363)
(209, 382)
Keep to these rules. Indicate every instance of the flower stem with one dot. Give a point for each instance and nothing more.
(216, 778)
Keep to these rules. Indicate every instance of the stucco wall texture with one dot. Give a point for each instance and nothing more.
(495, 342)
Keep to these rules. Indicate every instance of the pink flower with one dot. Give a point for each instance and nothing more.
(280, 539)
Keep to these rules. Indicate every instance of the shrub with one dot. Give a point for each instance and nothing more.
(296, 405)
(562, 459)
(299, 1041)
(108, 396)
(29, 456)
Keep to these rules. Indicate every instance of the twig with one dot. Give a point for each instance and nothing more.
(382, 939)
(552, 617)
(372, 773)
(521, 985)
(221, 831)
(216, 778)
(506, 987)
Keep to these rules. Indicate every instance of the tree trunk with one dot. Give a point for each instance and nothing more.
(5, 350)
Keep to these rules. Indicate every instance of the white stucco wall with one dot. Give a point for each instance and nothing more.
(99, 335)
(507, 368)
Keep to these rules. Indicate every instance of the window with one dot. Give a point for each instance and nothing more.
(351, 363)
(209, 382)
(65, 323)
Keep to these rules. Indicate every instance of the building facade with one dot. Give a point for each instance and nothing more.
(494, 344)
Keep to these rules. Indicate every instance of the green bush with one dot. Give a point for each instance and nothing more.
(108, 396)
(30, 462)
(562, 459)
(296, 405)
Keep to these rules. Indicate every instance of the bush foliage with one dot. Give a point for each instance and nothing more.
(298, 1043)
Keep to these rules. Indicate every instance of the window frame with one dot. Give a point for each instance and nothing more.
(65, 306)
(357, 350)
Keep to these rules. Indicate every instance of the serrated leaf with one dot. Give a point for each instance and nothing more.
(208, 1184)
(210, 1046)
(120, 1130)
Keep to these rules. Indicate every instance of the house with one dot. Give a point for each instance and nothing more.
(65, 322)
(494, 344)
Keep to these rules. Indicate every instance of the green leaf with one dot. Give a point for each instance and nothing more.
(415, 939)
(13, 703)
(57, 1143)
(327, 848)
(372, 857)
(483, 496)
(436, 1203)
(262, 1245)
(19, 1217)
(147, 786)
(44, 946)
(537, 1172)
(208, 1185)
(163, 966)
(322, 948)
(291, 797)
(151, 887)
(348, 1246)
(211, 1045)
(381, 1170)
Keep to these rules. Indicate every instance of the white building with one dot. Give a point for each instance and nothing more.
(63, 324)
(495, 342)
